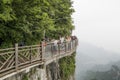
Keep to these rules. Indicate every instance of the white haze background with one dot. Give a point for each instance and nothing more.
(98, 22)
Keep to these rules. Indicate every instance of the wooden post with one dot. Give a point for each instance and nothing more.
(40, 52)
(16, 56)
(43, 50)
(30, 54)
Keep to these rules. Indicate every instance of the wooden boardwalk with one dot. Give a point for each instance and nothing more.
(17, 59)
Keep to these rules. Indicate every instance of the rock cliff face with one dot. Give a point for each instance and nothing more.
(53, 71)
(62, 69)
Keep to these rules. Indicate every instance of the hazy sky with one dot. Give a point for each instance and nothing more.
(98, 22)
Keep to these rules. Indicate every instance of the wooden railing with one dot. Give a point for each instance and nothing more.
(14, 59)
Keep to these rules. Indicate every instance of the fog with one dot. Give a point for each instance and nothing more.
(97, 26)
(98, 22)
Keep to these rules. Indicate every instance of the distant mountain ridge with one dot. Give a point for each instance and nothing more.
(98, 53)
(90, 56)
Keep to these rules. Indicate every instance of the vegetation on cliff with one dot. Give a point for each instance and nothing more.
(27, 20)
(67, 66)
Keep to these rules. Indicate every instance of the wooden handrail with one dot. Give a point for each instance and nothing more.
(7, 49)
(20, 56)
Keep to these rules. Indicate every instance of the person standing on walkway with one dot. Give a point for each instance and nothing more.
(61, 42)
(68, 42)
(55, 46)
(61, 39)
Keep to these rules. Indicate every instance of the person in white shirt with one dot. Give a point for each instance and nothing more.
(62, 39)
(55, 45)
(55, 42)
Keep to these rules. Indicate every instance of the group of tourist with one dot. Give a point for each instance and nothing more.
(62, 39)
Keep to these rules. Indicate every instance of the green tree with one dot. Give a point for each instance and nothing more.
(26, 20)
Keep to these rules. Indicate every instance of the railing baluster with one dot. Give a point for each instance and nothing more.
(16, 56)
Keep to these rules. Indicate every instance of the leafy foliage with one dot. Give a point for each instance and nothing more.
(67, 67)
(25, 77)
(26, 20)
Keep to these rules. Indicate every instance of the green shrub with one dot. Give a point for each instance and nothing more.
(67, 66)
(25, 77)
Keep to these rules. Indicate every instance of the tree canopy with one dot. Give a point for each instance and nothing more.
(26, 20)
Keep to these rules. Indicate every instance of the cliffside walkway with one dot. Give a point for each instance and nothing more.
(20, 58)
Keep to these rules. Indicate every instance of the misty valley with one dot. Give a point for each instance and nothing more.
(103, 72)
(96, 63)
